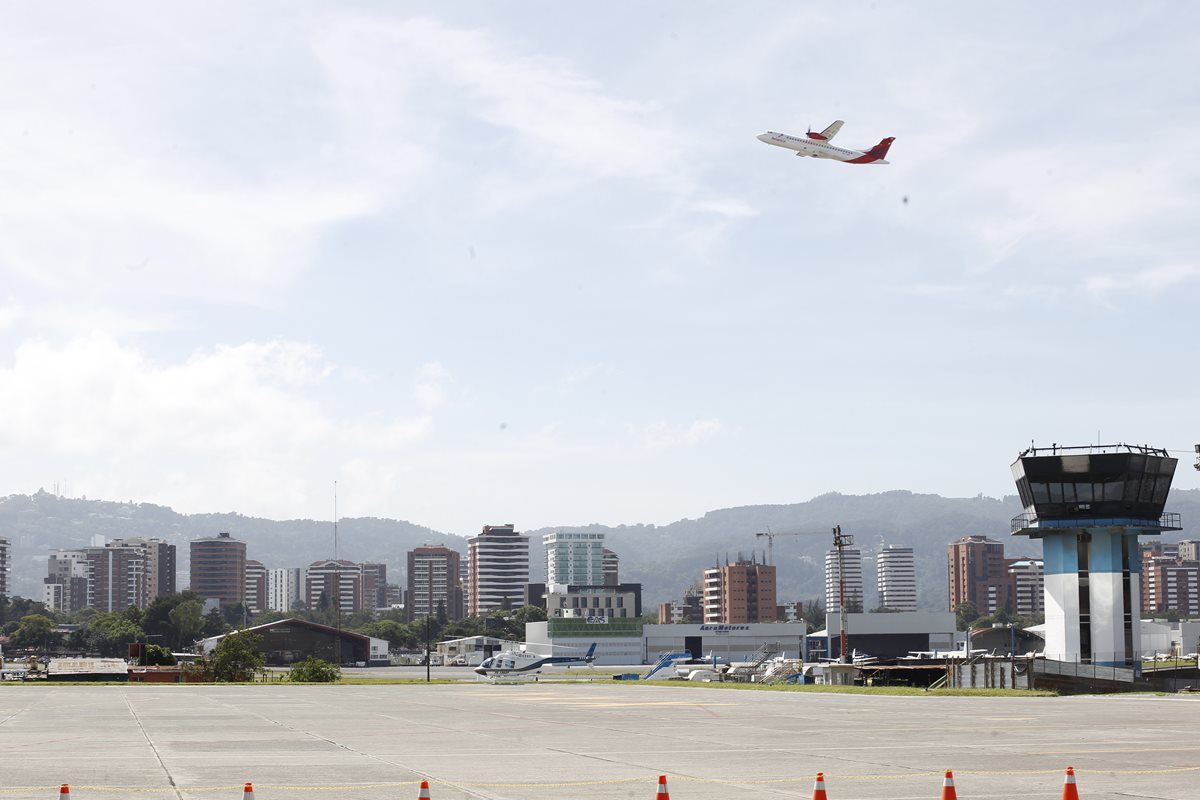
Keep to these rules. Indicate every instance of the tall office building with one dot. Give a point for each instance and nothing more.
(218, 568)
(1029, 576)
(332, 581)
(851, 562)
(896, 578)
(979, 574)
(117, 578)
(1170, 584)
(433, 580)
(498, 565)
(284, 588)
(5, 546)
(612, 566)
(256, 587)
(574, 558)
(374, 586)
(1188, 550)
(158, 564)
(740, 592)
(68, 577)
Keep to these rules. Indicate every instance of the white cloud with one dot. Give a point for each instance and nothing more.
(663, 435)
(231, 422)
(430, 389)
(1143, 281)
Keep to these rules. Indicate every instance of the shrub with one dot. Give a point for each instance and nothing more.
(314, 670)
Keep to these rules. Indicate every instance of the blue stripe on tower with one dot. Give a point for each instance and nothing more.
(1059, 554)
(1105, 551)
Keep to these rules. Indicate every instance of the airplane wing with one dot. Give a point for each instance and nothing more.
(828, 133)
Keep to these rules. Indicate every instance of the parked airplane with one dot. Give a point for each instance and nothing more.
(519, 663)
(817, 145)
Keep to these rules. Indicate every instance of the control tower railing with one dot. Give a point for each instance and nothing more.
(1169, 521)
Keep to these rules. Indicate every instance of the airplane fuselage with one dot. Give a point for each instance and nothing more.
(816, 148)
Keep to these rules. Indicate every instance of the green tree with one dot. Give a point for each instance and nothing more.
(442, 617)
(398, 635)
(109, 635)
(186, 621)
(214, 623)
(314, 670)
(967, 613)
(154, 655)
(236, 657)
(35, 631)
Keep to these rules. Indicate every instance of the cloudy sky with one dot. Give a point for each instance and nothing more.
(485, 262)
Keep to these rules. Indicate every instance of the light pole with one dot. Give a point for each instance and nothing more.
(428, 657)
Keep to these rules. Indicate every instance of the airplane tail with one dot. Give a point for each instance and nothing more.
(880, 150)
(591, 653)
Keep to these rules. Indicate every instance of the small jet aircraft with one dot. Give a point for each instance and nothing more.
(817, 145)
(512, 664)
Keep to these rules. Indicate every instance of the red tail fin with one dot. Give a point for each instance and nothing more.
(880, 150)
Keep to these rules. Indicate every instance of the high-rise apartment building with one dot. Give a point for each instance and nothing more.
(374, 586)
(159, 564)
(574, 558)
(284, 587)
(498, 566)
(979, 574)
(433, 580)
(740, 592)
(256, 587)
(111, 576)
(896, 578)
(1189, 550)
(1029, 576)
(218, 568)
(849, 568)
(612, 566)
(68, 577)
(333, 581)
(1170, 580)
(5, 547)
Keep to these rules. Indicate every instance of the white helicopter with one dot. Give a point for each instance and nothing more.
(513, 664)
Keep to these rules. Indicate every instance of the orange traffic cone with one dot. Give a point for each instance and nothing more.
(424, 795)
(1069, 790)
(819, 787)
(248, 791)
(64, 792)
(948, 787)
(662, 794)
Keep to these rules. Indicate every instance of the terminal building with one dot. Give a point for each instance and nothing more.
(1089, 505)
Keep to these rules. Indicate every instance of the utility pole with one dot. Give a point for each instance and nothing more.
(842, 541)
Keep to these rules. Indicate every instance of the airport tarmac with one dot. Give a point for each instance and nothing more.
(582, 741)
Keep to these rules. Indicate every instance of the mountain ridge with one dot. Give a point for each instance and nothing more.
(665, 559)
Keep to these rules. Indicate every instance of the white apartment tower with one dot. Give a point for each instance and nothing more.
(284, 587)
(575, 559)
(852, 563)
(896, 578)
(4, 558)
(498, 569)
(1030, 579)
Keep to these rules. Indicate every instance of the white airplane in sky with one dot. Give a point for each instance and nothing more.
(817, 145)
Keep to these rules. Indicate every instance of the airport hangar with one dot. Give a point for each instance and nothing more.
(287, 641)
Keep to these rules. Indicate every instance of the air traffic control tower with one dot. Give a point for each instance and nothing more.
(1089, 505)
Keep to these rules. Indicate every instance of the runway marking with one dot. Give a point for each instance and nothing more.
(638, 704)
(1010, 719)
(806, 779)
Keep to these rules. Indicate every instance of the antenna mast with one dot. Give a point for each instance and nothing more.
(337, 583)
(842, 541)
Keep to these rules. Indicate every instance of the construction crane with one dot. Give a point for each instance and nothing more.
(770, 535)
(840, 542)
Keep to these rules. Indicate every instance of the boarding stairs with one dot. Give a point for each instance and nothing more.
(745, 672)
